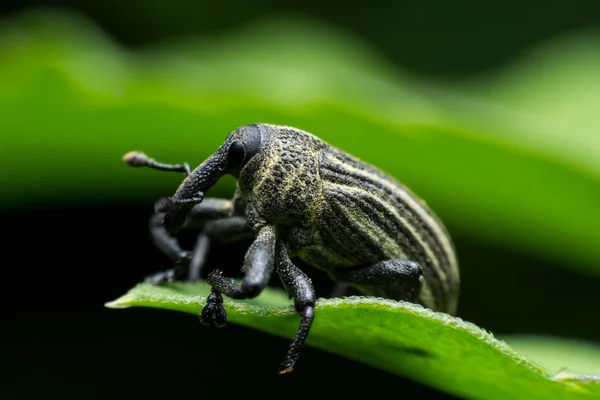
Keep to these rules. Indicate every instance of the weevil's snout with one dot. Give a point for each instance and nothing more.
(241, 145)
(174, 213)
(175, 217)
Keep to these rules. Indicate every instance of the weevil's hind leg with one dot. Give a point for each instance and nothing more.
(299, 288)
(397, 279)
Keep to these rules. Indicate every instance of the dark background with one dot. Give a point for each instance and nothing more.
(59, 342)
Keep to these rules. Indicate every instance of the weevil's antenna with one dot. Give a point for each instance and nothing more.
(138, 159)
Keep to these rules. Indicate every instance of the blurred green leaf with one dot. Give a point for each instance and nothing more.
(553, 94)
(556, 353)
(406, 339)
(72, 102)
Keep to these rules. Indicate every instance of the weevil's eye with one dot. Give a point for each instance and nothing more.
(244, 147)
(235, 154)
(252, 140)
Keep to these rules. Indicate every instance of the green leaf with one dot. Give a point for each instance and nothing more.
(403, 338)
(73, 102)
(556, 353)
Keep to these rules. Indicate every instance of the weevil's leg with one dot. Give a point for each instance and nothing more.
(137, 159)
(201, 214)
(299, 288)
(258, 266)
(223, 229)
(398, 279)
(210, 208)
(168, 245)
(199, 255)
(213, 312)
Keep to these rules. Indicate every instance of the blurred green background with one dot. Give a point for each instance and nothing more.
(489, 112)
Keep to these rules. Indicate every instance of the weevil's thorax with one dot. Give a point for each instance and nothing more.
(281, 184)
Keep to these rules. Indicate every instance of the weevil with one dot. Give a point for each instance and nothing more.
(302, 198)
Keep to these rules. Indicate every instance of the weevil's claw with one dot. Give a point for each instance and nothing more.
(213, 312)
(285, 369)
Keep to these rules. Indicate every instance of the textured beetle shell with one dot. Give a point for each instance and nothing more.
(336, 211)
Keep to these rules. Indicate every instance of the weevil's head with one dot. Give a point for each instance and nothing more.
(240, 146)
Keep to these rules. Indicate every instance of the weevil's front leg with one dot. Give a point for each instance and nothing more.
(258, 266)
(210, 208)
(300, 288)
(228, 228)
(394, 279)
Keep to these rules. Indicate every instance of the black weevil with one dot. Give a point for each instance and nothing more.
(301, 197)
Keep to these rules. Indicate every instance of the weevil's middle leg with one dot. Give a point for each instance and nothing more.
(300, 288)
(258, 266)
(394, 279)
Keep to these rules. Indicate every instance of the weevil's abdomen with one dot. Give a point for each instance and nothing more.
(370, 217)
